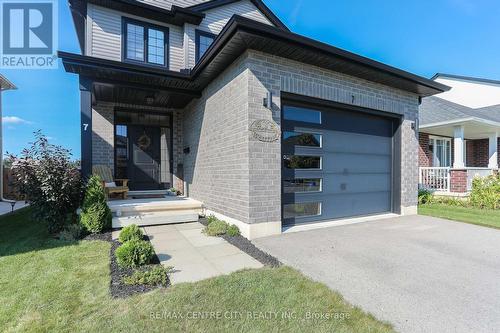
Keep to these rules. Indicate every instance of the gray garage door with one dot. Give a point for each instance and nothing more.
(337, 163)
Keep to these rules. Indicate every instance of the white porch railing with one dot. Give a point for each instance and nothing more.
(435, 178)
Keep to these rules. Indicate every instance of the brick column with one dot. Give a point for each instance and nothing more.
(458, 180)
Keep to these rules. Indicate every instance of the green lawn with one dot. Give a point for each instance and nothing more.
(50, 285)
(483, 217)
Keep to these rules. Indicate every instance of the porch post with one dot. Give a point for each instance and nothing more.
(493, 151)
(86, 123)
(458, 149)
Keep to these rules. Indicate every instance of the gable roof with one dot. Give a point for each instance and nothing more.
(268, 13)
(434, 110)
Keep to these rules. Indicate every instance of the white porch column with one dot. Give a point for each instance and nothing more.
(458, 149)
(493, 151)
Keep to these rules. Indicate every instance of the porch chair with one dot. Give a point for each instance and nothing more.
(111, 186)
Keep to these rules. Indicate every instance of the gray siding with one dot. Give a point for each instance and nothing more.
(215, 21)
(105, 39)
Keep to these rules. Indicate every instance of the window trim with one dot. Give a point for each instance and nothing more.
(146, 26)
(434, 155)
(198, 34)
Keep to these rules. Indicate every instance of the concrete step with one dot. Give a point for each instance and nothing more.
(156, 218)
(154, 211)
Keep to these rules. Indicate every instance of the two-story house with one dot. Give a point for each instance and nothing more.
(268, 128)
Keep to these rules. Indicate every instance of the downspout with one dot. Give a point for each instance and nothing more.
(2, 199)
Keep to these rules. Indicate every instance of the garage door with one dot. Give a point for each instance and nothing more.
(337, 163)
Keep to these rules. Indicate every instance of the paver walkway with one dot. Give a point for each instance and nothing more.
(193, 255)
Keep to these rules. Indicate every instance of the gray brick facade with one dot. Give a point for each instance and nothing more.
(239, 176)
(229, 170)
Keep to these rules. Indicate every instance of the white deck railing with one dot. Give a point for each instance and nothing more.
(435, 178)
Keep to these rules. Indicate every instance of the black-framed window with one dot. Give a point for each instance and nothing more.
(302, 139)
(145, 43)
(305, 115)
(203, 41)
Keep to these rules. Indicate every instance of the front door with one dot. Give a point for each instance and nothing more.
(145, 156)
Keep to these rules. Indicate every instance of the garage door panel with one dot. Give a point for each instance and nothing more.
(351, 163)
(338, 167)
(335, 206)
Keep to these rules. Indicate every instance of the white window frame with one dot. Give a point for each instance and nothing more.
(432, 141)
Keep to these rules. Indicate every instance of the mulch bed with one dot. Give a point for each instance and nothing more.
(118, 288)
(249, 248)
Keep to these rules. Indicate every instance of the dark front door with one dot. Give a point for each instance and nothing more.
(144, 161)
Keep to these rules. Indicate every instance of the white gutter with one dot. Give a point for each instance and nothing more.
(460, 121)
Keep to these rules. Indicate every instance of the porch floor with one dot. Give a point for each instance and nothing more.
(193, 255)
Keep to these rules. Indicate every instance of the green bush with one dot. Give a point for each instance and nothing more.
(486, 192)
(71, 232)
(96, 215)
(134, 253)
(233, 231)
(216, 228)
(151, 276)
(130, 232)
(211, 219)
(46, 176)
(424, 196)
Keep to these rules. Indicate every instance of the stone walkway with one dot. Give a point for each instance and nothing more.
(193, 255)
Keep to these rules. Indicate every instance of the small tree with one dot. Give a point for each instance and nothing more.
(50, 181)
(96, 215)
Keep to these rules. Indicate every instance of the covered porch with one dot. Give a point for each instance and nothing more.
(452, 153)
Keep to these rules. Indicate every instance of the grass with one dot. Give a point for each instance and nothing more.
(482, 217)
(51, 285)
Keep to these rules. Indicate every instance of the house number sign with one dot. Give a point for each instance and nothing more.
(265, 130)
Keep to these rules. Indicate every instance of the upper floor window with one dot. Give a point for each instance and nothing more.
(145, 43)
(203, 41)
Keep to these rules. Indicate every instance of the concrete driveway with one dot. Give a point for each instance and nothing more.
(419, 273)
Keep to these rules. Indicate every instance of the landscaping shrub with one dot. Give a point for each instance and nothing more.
(151, 276)
(45, 175)
(96, 215)
(233, 231)
(71, 232)
(130, 232)
(424, 196)
(211, 219)
(216, 228)
(486, 192)
(134, 253)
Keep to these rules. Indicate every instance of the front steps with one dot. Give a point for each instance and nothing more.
(154, 211)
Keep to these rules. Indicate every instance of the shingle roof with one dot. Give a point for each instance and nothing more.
(435, 110)
(6, 84)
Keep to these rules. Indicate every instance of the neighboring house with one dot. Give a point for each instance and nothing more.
(459, 133)
(266, 127)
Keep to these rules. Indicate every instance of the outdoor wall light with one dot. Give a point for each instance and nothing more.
(268, 100)
(150, 100)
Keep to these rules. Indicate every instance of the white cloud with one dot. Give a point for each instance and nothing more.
(14, 120)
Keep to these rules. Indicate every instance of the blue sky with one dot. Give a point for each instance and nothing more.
(423, 37)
